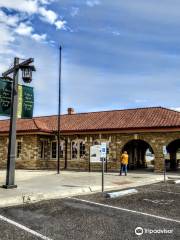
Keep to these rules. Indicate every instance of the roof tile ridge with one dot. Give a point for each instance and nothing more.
(113, 110)
(170, 109)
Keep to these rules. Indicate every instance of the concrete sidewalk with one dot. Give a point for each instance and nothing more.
(40, 185)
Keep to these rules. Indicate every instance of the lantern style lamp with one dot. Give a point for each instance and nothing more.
(27, 73)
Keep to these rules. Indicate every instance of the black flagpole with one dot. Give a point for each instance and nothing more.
(59, 112)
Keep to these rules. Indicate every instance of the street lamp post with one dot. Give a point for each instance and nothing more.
(12, 131)
(24, 66)
(59, 112)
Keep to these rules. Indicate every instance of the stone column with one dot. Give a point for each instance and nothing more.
(119, 147)
(113, 162)
(159, 159)
(68, 150)
(65, 153)
(88, 144)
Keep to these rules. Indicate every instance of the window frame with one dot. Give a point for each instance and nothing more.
(82, 152)
(18, 153)
(62, 147)
(42, 149)
(52, 142)
(78, 143)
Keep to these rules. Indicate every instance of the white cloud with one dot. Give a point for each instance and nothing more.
(24, 29)
(39, 37)
(74, 11)
(6, 50)
(92, 3)
(165, 11)
(46, 1)
(48, 15)
(116, 33)
(28, 31)
(17, 23)
(10, 20)
(5, 39)
(60, 24)
(52, 18)
(140, 100)
(29, 6)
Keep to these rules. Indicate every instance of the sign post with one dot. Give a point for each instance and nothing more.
(164, 153)
(12, 132)
(103, 151)
(9, 106)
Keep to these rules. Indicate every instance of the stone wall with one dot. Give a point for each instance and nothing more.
(3, 151)
(30, 157)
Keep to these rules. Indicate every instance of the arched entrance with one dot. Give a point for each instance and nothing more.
(141, 154)
(173, 157)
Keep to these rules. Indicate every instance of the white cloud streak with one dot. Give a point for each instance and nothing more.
(74, 11)
(39, 37)
(162, 11)
(92, 3)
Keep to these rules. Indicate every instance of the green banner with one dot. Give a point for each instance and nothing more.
(20, 100)
(25, 100)
(5, 97)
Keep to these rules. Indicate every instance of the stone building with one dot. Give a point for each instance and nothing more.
(141, 132)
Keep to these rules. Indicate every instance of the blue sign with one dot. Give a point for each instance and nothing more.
(103, 150)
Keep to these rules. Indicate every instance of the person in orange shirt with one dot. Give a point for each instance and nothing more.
(124, 163)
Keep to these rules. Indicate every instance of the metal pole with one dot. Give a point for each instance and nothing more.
(59, 112)
(89, 159)
(106, 165)
(102, 174)
(12, 132)
(164, 169)
(65, 163)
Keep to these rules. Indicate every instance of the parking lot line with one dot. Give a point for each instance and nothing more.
(24, 228)
(126, 210)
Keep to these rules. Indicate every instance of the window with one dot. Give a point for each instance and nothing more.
(54, 149)
(78, 149)
(42, 149)
(74, 149)
(61, 150)
(19, 149)
(82, 148)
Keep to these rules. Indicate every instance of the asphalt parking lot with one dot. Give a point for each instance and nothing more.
(155, 210)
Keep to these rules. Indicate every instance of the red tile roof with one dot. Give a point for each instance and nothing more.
(140, 118)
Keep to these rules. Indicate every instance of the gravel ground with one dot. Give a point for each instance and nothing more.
(73, 219)
(159, 199)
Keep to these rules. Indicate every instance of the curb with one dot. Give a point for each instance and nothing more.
(32, 197)
(27, 198)
(121, 193)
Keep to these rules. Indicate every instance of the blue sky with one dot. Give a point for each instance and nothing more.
(116, 54)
